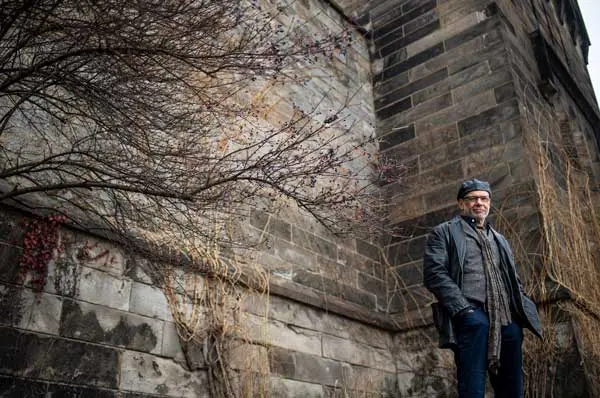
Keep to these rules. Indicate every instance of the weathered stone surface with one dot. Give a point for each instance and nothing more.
(40, 357)
(13, 387)
(397, 136)
(41, 312)
(500, 113)
(407, 251)
(390, 47)
(422, 224)
(11, 237)
(262, 330)
(360, 297)
(391, 110)
(481, 84)
(454, 113)
(99, 324)
(394, 66)
(153, 375)
(316, 280)
(284, 388)
(411, 88)
(406, 18)
(357, 353)
(409, 274)
(314, 243)
(406, 300)
(102, 288)
(304, 367)
(149, 301)
(271, 224)
(294, 254)
(95, 253)
(464, 147)
(171, 344)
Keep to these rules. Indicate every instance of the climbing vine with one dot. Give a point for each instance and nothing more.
(40, 241)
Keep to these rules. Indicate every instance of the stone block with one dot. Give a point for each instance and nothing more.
(367, 249)
(304, 367)
(99, 324)
(468, 52)
(406, 275)
(422, 224)
(153, 375)
(407, 250)
(398, 107)
(489, 117)
(41, 357)
(313, 242)
(505, 92)
(407, 208)
(95, 253)
(450, 114)
(358, 296)
(284, 388)
(341, 272)
(11, 239)
(267, 222)
(406, 19)
(465, 147)
(149, 301)
(411, 88)
(13, 387)
(395, 65)
(430, 107)
(141, 270)
(388, 48)
(317, 281)
(11, 304)
(171, 343)
(352, 330)
(430, 178)
(423, 19)
(372, 285)
(356, 261)
(41, 312)
(285, 310)
(483, 83)
(102, 288)
(431, 92)
(406, 300)
(357, 353)
(261, 330)
(293, 254)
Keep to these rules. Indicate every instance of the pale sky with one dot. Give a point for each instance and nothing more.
(591, 15)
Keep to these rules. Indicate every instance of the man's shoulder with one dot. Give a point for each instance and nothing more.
(445, 226)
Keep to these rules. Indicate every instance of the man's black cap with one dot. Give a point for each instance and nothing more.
(473, 185)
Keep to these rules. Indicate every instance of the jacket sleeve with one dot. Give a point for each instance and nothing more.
(436, 274)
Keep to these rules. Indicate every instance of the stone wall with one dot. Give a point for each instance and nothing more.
(102, 326)
(105, 324)
(449, 87)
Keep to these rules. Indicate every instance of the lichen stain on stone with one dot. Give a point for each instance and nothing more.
(74, 323)
(162, 389)
(11, 305)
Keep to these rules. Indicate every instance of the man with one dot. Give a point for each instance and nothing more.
(481, 308)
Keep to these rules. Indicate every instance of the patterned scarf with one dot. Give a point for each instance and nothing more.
(497, 302)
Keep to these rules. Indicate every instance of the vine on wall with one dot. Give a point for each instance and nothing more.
(40, 242)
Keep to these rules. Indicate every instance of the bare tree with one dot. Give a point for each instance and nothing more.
(132, 116)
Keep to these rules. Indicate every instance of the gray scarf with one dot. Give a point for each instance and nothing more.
(497, 302)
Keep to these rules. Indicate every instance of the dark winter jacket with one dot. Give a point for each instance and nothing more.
(443, 262)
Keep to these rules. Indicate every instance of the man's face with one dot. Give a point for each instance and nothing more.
(475, 204)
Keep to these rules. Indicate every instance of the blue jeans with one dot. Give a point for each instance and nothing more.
(470, 356)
